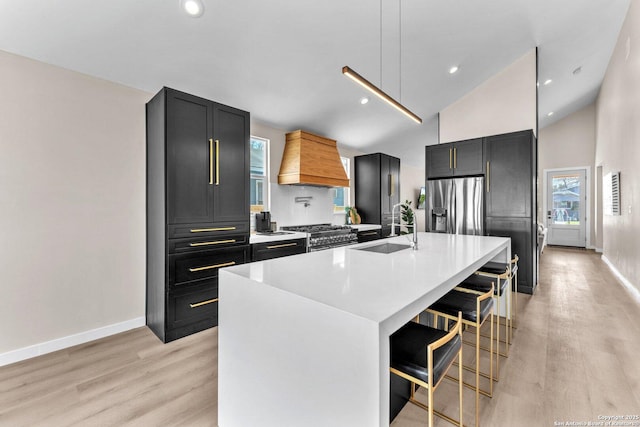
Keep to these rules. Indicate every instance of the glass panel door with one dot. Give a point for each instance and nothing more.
(566, 213)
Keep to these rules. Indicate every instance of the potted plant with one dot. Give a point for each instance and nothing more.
(406, 215)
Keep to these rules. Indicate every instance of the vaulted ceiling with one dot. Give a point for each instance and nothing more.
(281, 60)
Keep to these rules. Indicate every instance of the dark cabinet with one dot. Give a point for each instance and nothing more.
(277, 249)
(523, 243)
(510, 198)
(377, 187)
(197, 208)
(462, 158)
(369, 235)
(509, 175)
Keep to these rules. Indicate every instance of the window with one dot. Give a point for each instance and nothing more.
(341, 194)
(259, 148)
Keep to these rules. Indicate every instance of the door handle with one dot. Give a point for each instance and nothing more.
(217, 162)
(210, 161)
(488, 177)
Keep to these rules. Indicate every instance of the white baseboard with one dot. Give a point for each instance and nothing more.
(598, 250)
(635, 292)
(69, 341)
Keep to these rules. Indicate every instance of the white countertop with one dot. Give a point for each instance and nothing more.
(373, 285)
(366, 227)
(264, 238)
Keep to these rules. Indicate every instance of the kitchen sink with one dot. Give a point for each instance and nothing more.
(384, 248)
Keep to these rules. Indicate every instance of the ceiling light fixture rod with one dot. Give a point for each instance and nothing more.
(379, 93)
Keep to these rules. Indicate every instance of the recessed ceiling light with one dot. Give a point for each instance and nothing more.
(548, 81)
(194, 8)
(550, 113)
(453, 69)
(364, 100)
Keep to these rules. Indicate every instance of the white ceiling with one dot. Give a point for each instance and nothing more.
(281, 60)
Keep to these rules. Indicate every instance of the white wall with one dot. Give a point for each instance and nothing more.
(618, 146)
(411, 179)
(504, 103)
(72, 203)
(570, 142)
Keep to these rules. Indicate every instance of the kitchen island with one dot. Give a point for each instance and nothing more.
(304, 340)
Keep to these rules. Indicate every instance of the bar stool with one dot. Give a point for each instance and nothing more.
(475, 309)
(423, 355)
(479, 285)
(501, 273)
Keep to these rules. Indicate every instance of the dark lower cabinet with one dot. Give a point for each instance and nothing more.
(277, 249)
(197, 208)
(191, 310)
(369, 235)
(523, 234)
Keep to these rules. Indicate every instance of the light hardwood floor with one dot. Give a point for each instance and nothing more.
(575, 356)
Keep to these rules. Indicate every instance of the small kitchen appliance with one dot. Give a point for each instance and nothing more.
(263, 222)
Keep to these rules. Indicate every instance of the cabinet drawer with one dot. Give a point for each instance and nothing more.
(193, 266)
(200, 243)
(208, 229)
(186, 307)
(369, 235)
(280, 248)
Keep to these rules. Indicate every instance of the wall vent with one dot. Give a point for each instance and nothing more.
(615, 193)
(611, 193)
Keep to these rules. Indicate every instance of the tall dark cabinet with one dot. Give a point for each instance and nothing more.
(510, 199)
(377, 187)
(197, 208)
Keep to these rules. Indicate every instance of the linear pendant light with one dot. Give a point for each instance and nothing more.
(379, 93)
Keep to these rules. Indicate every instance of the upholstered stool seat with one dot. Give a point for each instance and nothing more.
(456, 301)
(482, 284)
(494, 267)
(409, 352)
(423, 355)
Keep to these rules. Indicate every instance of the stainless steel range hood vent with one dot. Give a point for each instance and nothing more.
(310, 159)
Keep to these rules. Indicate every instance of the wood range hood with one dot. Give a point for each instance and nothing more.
(310, 159)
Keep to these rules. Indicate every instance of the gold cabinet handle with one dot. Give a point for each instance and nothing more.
(210, 161)
(198, 304)
(455, 158)
(391, 189)
(284, 245)
(450, 158)
(488, 177)
(209, 267)
(201, 230)
(216, 242)
(217, 162)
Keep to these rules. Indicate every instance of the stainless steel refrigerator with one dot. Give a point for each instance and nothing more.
(455, 205)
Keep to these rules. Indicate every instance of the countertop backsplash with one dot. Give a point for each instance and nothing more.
(285, 210)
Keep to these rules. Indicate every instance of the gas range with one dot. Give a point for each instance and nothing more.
(326, 236)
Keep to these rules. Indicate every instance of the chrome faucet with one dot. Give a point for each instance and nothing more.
(414, 242)
(393, 225)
